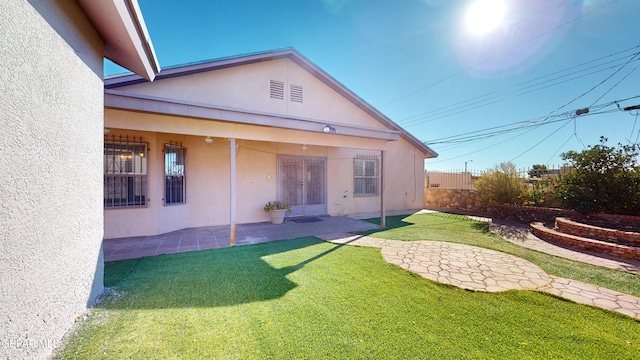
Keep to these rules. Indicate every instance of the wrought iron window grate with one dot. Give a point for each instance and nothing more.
(365, 181)
(174, 174)
(125, 171)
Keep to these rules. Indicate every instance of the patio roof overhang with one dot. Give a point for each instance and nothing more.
(122, 28)
(119, 100)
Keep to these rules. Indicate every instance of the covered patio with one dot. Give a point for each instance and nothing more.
(215, 237)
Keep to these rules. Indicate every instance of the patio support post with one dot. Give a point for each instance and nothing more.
(232, 188)
(383, 217)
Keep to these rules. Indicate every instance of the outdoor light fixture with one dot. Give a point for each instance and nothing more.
(304, 147)
(208, 140)
(107, 131)
(329, 128)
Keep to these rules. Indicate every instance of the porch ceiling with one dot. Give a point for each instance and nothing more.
(155, 105)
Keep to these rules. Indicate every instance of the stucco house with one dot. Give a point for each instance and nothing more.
(210, 143)
(51, 156)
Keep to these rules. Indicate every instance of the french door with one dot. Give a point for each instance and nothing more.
(303, 184)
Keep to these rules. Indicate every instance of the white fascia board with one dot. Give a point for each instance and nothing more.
(122, 28)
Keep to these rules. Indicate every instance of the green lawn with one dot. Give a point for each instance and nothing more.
(306, 298)
(461, 229)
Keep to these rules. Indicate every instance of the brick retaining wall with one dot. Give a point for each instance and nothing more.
(550, 235)
(619, 222)
(567, 226)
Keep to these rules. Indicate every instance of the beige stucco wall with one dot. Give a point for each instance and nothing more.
(51, 120)
(247, 87)
(208, 179)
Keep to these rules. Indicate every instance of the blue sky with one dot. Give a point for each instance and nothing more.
(417, 62)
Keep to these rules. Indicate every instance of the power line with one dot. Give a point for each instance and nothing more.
(535, 122)
(483, 149)
(561, 146)
(540, 142)
(621, 80)
(494, 57)
(442, 112)
(585, 63)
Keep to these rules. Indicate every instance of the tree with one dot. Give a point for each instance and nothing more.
(604, 179)
(502, 184)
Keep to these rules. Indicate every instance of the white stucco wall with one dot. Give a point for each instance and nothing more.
(51, 223)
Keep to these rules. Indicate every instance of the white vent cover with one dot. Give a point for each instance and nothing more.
(276, 89)
(296, 93)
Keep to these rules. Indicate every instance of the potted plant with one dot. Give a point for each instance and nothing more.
(277, 210)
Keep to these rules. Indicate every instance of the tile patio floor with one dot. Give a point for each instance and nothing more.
(215, 237)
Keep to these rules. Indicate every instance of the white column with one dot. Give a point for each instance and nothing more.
(232, 191)
(383, 216)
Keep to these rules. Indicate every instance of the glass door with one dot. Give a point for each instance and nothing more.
(302, 185)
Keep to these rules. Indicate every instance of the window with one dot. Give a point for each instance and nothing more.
(125, 172)
(174, 184)
(365, 182)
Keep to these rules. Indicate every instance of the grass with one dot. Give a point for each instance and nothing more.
(308, 299)
(461, 229)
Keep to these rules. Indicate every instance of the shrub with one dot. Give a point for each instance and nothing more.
(502, 184)
(604, 179)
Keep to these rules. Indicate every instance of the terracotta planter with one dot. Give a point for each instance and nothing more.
(277, 216)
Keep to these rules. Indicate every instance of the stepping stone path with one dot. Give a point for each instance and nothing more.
(479, 269)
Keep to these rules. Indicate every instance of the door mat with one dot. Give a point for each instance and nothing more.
(306, 220)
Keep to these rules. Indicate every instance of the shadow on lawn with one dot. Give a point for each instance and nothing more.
(443, 220)
(210, 278)
(392, 222)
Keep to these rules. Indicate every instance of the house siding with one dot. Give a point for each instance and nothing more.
(51, 215)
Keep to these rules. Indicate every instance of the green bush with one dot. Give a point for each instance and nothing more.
(604, 179)
(502, 184)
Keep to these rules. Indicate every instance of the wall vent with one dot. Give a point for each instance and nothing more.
(296, 93)
(276, 89)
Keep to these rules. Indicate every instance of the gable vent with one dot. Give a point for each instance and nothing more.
(276, 89)
(296, 93)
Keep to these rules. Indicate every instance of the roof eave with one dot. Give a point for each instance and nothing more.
(126, 40)
(294, 56)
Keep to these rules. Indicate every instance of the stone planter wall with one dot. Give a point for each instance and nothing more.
(453, 199)
(529, 214)
(468, 200)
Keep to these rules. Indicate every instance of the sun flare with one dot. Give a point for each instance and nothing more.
(484, 16)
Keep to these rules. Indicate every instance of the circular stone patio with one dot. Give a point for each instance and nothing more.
(466, 266)
(480, 269)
